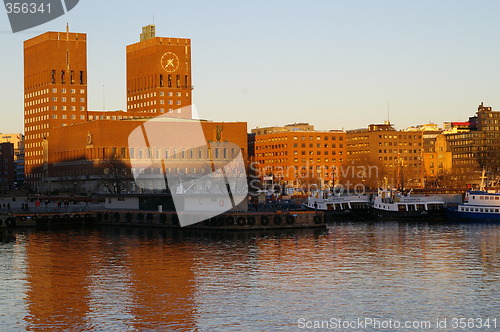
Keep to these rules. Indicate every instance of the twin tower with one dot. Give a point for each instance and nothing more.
(55, 86)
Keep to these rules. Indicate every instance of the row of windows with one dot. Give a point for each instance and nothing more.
(318, 138)
(285, 153)
(400, 151)
(36, 110)
(158, 81)
(491, 128)
(398, 158)
(34, 136)
(36, 119)
(487, 210)
(302, 160)
(296, 168)
(36, 102)
(64, 117)
(153, 102)
(63, 78)
(36, 93)
(37, 127)
(399, 144)
(72, 99)
(486, 198)
(153, 94)
(65, 108)
(63, 90)
(175, 153)
(33, 162)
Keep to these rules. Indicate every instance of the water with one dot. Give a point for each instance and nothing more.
(133, 279)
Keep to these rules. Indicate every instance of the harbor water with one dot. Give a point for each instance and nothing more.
(139, 279)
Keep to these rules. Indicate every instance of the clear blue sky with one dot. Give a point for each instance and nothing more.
(331, 63)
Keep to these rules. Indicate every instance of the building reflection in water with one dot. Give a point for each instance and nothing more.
(133, 281)
(140, 279)
(57, 273)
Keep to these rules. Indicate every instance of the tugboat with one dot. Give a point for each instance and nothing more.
(478, 205)
(355, 206)
(392, 204)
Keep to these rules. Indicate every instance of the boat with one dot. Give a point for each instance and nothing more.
(355, 206)
(478, 205)
(392, 203)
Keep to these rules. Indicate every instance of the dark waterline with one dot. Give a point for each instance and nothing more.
(138, 279)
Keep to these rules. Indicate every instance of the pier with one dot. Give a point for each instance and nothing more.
(242, 221)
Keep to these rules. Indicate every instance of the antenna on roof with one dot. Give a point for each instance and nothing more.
(388, 112)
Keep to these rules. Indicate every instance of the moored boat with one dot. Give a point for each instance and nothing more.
(478, 205)
(393, 204)
(355, 206)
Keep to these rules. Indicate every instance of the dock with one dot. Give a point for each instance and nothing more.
(233, 221)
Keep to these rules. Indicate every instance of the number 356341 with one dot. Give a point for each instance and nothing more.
(27, 7)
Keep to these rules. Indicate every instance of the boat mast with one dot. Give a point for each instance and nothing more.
(483, 177)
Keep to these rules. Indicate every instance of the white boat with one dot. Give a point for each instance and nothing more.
(391, 203)
(478, 205)
(350, 205)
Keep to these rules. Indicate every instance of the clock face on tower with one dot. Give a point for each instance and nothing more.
(170, 62)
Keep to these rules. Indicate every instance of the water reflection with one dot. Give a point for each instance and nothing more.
(146, 279)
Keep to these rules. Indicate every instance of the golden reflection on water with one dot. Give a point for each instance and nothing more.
(143, 279)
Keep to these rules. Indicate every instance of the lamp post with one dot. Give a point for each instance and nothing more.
(2, 174)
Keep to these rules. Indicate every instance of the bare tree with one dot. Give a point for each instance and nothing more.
(115, 174)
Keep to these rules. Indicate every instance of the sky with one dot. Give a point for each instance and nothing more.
(337, 64)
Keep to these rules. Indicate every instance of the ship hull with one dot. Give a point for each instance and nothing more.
(453, 214)
(405, 215)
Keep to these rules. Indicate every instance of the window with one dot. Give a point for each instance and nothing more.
(53, 78)
(62, 77)
(161, 80)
